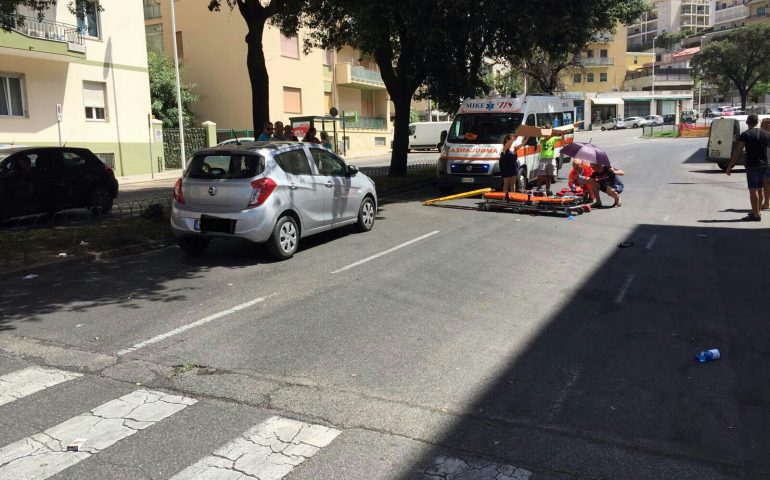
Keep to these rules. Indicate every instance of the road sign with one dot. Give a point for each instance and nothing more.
(58, 112)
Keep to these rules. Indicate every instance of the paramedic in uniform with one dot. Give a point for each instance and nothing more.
(546, 167)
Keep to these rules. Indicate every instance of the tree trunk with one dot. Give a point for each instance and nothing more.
(260, 82)
(398, 158)
(744, 93)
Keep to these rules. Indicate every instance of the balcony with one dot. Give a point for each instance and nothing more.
(365, 123)
(30, 37)
(729, 14)
(358, 77)
(151, 10)
(597, 61)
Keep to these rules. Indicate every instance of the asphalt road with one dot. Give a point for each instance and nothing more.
(446, 341)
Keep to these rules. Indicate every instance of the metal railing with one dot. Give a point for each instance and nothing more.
(367, 123)
(33, 27)
(586, 61)
(361, 74)
(151, 10)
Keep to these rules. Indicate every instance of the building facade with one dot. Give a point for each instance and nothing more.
(759, 11)
(670, 16)
(79, 81)
(729, 14)
(302, 84)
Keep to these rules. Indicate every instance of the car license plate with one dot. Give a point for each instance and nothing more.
(217, 225)
(468, 180)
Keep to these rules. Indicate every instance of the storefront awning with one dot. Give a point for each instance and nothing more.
(607, 101)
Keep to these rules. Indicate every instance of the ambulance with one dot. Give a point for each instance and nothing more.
(471, 150)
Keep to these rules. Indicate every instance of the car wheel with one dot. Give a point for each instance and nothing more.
(603, 129)
(193, 245)
(521, 180)
(723, 166)
(284, 241)
(99, 201)
(636, 125)
(366, 214)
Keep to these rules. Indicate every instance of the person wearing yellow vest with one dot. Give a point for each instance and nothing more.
(547, 167)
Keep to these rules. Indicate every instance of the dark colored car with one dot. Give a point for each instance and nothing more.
(668, 119)
(37, 180)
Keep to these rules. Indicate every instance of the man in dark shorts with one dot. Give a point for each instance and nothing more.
(755, 141)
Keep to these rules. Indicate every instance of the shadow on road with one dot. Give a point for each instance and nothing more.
(610, 389)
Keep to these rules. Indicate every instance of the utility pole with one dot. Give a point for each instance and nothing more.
(178, 86)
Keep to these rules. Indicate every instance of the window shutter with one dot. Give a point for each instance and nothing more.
(93, 94)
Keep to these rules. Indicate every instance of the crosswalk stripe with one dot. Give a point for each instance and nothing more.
(21, 383)
(45, 454)
(267, 451)
(444, 466)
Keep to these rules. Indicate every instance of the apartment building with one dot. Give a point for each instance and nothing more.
(302, 84)
(79, 81)
(759, 12)
(670, 16)
(729, 14)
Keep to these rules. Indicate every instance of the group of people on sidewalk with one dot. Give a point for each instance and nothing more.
(755, 142)
(279, 132)
(584, 176)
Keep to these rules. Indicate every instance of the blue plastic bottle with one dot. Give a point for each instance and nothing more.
(708, 355)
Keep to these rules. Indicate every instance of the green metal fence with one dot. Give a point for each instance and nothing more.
(194, 140)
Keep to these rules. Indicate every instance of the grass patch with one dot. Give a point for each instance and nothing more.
(668, 134)
(27, 246)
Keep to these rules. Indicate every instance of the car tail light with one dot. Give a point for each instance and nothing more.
(178, 195)
(262, 190)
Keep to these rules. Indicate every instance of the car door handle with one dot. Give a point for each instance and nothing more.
(330, 184)
(292, 187)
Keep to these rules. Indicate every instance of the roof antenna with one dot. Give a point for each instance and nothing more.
(68, 139)
(237, 142)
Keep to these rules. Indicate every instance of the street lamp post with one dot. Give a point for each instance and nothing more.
(654, 61)
(700, 80)
(178, 85)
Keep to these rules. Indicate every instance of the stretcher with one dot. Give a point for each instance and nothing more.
(535, 202)
(568, 204)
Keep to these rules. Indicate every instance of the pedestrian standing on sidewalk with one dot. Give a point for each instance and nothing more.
(765, 125)
(288, 134)
(278, 131)
(267, 132)
(755, 141)
(509, 162)
(310, 136)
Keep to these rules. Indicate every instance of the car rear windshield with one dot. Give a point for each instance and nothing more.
(225, 166)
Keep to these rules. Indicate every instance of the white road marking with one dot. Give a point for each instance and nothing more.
(390, 250)
(558, 403)
(652, 241)
(45, 454)
(195, 324)
(444, 466)
(665, 219)
(267, 451)
(21, 383)
(626, 285)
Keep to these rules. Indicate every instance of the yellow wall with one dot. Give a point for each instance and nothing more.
(641, 59)
(616, 72)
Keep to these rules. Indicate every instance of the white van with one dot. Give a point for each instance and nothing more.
(473, 143)
(723, 136)
(426, 135)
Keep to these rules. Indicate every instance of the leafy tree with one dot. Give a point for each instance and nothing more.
(739, 57)
(163, 92)
(548, 70)
(503, 83)
(414, 116)
(256, 14)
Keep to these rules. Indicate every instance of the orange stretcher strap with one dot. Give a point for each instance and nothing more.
(527, 198)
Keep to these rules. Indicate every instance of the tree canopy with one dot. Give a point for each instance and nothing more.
(163, 91)
(439, 46)
(739, 58)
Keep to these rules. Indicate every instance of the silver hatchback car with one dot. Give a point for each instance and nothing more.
(274, 192)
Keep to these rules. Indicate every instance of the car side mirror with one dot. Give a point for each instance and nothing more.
(443, 137)
(352, 170)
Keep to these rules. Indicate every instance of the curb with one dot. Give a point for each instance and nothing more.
(400, 191)
(44, 267)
